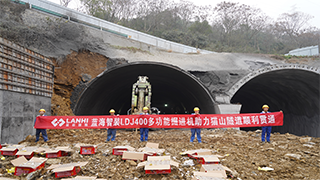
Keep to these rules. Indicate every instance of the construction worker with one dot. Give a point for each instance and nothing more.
(111, 132)
(265, 129)
(42, 131)
(144, 131)
(196, 130)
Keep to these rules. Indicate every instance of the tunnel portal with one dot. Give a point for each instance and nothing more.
(294, 91)
(174, 91)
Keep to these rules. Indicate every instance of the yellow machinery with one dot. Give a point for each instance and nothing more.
(141, 95)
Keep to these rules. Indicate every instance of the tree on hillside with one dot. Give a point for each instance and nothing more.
(229, 26)
(110, 10)
(309, 38)
(95, 7)
(65, 3)
(238, 25)
(201, 27)
(293, 24)
(253, 21)
(185, 10)
(227, 18)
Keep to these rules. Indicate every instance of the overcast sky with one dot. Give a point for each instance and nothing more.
(272, 8)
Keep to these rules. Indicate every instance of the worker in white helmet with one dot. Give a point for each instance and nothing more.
(111, 133)
(265, 129)
(196, 130)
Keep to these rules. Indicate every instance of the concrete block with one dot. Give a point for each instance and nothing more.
(228, 108)
(17, 114)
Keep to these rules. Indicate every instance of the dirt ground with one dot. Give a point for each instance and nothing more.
(242, 150)
(76, 67)
(243, 153)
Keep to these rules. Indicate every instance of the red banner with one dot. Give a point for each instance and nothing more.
(160, 121)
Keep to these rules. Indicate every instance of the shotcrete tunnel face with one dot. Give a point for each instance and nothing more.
(174, 91)
(295, 92)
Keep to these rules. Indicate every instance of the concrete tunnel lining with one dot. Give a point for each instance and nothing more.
(177, 88)
(295, 91)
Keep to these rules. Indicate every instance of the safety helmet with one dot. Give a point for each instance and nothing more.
(112, 111)
(196, 109)
(265, 106)
(145, 108)
(42, 110)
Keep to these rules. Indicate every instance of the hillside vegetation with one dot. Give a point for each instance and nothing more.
(227, 27)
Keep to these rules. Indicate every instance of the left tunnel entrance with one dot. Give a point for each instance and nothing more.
(174, 91)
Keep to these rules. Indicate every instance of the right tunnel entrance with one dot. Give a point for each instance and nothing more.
(294, 91)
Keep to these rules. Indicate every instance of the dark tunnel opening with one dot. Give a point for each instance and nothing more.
(295, 92)
(174, 91)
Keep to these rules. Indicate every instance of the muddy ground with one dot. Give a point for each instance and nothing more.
(243, 152)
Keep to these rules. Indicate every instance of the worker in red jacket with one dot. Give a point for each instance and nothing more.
(42, 131)
(196, 130)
